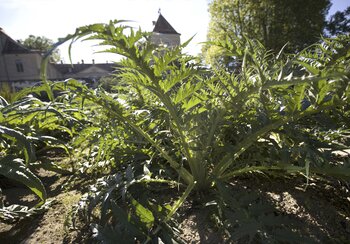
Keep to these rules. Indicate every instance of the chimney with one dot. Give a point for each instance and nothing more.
(153, 22)
(93, 61)
(82, 61)
(61, 61)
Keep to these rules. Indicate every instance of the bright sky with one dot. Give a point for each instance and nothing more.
(57, 18)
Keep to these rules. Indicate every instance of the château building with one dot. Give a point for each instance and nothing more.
(21, 67)
(164, 34)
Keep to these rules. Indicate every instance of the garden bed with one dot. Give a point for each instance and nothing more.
(320, 212)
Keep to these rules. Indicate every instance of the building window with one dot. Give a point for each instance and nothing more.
(19, 66)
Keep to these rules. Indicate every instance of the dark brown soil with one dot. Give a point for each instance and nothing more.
(321, 211)
(47, 227)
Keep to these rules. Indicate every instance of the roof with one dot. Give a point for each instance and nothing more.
(163, 26)
(12, 46)
(67, 69)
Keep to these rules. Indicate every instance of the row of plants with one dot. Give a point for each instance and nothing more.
(33, 128)
(171, 130)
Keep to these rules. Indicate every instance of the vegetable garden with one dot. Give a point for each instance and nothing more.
(173, 134)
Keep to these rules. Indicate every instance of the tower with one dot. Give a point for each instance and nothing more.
(164, 34)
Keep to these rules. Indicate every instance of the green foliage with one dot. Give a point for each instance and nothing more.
(339, 23)
(14, 212)
(108, 82)
(6, 92)
(169, 119)
(272, 22)
(14, 169)
(265, 96)
(29, 128)
(127, 210)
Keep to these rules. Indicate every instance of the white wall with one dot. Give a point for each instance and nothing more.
(170, 40)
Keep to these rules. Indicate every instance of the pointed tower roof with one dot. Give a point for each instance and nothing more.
(162, 26)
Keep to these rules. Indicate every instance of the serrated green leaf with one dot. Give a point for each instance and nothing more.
(22, 140)
(14, 169)
(143, 213)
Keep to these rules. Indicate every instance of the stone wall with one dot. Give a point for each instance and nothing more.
(170, 40)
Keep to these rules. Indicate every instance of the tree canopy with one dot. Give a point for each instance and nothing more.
(272, 22)
(339, 23)
(42, 44)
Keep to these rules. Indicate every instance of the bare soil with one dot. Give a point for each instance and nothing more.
(47, 227)
(322, 211)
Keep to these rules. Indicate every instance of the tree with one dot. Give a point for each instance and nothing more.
(272, 22)
(43, 44)
(339, 23)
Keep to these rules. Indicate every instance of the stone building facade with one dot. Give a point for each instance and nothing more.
(21, 67)
(18, 63)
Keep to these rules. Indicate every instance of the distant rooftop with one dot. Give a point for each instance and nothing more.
(12, 46)
(67, 69)
(162, 26)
